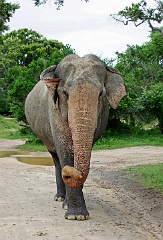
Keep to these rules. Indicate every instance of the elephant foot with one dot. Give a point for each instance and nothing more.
(77, 213)
(59, 198)
(76, 204)
(65, 204)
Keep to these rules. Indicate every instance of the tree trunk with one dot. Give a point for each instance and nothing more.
(160, 122)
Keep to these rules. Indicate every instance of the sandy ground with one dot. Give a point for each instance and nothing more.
(119, 208)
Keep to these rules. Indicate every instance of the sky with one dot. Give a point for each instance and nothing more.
(87, 27)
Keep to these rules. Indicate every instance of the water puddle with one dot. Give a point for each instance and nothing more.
(9, 153)
(45, 161)
(34, 160)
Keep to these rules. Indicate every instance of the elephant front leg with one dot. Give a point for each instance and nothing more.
(76, 204)
(61, 191)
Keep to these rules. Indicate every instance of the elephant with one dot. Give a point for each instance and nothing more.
(68, 110)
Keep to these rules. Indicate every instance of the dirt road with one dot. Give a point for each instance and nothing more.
(119, 208)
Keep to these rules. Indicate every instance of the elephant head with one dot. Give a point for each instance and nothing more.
(79, 87)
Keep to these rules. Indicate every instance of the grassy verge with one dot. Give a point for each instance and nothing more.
(34, 144)
(129, 137)
(9, 128)
(150, 175)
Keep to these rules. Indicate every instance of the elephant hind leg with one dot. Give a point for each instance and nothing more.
(61, 191)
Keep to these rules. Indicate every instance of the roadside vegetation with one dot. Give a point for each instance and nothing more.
(129, 137)
(150, 175)
(9, 128)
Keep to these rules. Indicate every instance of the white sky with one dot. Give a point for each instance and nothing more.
(85, 26)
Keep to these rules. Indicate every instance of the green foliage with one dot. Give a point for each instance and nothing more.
(7, 10)
(124, 112)
(140, 13)
(150, 175)
(21, 84)
(153, 98)
(23, 46)
(151, 103)
(4, 106)
(142, 64)
(59, 3)
(142, 69)
(24, 55)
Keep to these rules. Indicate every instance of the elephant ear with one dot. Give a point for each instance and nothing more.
(51, 81)
(115, 87)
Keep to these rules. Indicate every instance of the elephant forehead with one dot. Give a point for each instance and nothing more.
(89, 63)
(81, 68)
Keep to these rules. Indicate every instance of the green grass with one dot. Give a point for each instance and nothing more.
(34, 144)
(9, 128)
(129, 137)
(150, 175)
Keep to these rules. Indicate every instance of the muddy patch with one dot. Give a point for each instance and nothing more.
(44, 161)
(9, 153)
(33, 160)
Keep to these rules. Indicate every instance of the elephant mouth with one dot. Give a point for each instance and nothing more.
(72, 177)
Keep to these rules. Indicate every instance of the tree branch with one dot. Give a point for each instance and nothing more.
(59, 3)
(139, 13)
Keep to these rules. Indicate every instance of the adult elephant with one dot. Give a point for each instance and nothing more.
(68, 110)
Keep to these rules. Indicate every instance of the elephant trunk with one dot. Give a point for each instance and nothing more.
(82, 105)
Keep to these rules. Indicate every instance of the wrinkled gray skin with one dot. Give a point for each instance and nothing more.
(68, 111)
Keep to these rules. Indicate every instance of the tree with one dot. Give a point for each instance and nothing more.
(59, 3)
(24, 55)
(140, 13)
(142, 69)
(141, 65)
(151, 103)
(7, 10)
(4, 108)
(23, 46)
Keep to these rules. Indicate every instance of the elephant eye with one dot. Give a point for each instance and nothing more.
(65, 94)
